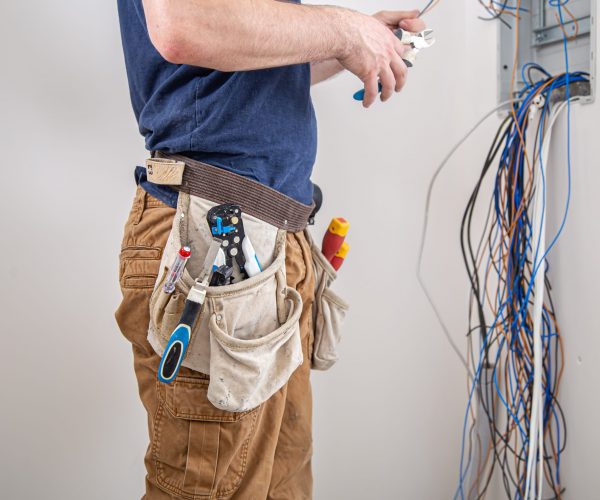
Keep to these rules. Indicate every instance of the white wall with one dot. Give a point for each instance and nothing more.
(388, 416)
(575, 274)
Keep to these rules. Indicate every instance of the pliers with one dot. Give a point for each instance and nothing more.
(416, 41)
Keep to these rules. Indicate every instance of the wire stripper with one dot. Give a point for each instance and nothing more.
(226, 223)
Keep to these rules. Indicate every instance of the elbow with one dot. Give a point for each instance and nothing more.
(165, 30)
(169, 42)
(172, 50)
(177, 43)
(176, 47)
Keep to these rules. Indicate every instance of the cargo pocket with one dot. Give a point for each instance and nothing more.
(329, 311)
(138, 267)
(247, 336)
(200, 452)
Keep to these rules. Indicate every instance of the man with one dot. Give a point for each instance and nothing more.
(227, 84)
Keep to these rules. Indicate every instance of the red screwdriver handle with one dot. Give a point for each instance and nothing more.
(334, 237)
(338, 258)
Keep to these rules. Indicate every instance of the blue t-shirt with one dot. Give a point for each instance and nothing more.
(260, 124)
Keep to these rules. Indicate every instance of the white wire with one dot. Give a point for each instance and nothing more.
(536, 431)
(426, 223)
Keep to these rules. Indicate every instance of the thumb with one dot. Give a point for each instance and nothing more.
(393, 17)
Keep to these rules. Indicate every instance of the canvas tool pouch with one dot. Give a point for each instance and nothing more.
(247, 336)
(329, 311)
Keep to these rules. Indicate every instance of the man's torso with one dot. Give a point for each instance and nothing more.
(259, 124)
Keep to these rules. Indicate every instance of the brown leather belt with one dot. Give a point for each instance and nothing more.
(221, 186)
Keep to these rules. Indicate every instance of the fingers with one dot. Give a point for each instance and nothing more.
(412, 25)
(400, 48)
(388, 83)
(400, 72)
(391, 79)
(371, 90)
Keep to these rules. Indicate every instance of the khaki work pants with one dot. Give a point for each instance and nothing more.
(197, 451)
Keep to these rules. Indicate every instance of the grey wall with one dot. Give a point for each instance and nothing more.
(388, 416)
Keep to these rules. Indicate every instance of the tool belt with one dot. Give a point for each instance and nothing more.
(247, 335)
(218, 185)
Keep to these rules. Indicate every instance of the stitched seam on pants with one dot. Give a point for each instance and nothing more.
(221, 494)
(142, 248)
(156, 437)
(128, 285)
(216, 464)
(141, 206)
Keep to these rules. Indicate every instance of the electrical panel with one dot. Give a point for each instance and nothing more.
(541, 40)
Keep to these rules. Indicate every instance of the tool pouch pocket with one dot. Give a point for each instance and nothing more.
(247, 336)
(329, 311)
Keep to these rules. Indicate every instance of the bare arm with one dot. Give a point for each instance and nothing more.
(238, 35)
(244, 34)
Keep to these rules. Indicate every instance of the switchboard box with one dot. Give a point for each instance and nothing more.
(541, 40)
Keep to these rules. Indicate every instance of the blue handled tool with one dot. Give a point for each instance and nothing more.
(416, 41)
(180, 338)
(360, 95)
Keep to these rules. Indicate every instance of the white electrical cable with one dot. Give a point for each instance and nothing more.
(536, 430)
(426, 222)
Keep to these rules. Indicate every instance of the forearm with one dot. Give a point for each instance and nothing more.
(323, 70)
(244, 34)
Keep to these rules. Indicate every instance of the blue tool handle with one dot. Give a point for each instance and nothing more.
(360, 95)
(178, 343)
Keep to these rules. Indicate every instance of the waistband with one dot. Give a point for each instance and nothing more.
(221, 186)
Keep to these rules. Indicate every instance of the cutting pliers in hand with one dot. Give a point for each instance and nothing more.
(416, 42)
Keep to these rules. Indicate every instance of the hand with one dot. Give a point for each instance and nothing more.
(374, 53)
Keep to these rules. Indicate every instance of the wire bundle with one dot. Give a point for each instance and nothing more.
(513, 424)
(516, 376)
(503, 265)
